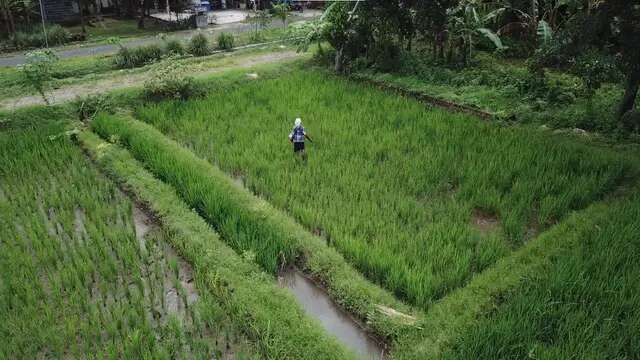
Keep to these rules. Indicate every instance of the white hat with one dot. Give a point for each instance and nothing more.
(298, 121)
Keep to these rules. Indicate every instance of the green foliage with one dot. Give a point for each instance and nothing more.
(281, 11)
(577, 291)
(225, 41)
(174, 47)
(88, 106)
(259, 307)
(199, 45)
(370, 145)
(58, 35)
(34, 37)
(37, 70)
(170, 81)
(386, 55)
(69, 256)
(249, 224)
(137, 56)
(595, 69)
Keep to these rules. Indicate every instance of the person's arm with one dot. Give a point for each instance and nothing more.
(291, 137)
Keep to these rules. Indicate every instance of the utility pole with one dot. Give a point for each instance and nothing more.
(44, 28)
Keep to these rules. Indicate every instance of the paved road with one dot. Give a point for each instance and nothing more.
(107, 49)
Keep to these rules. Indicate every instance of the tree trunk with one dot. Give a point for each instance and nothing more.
(8, 15)
(630, 92)
(141, 18)
(81, 11)
(338, 61)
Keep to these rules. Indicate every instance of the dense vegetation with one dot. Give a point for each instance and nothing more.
(395, 194)
(76, 281)
(595, 40)
(250, 297)
(250, 225)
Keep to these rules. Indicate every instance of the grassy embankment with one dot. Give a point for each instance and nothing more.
(396, 189)
(506, 89)
(250, 297)
(76, 282)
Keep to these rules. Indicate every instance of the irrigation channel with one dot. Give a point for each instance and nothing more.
(313, 299)
(317, 304)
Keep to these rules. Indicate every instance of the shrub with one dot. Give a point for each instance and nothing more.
(225, 41)
(37, 70)
(174, 47)
(631, 120)
(170, 82)
(58, 35)
(255, 37)
(134, 57)
(386, 55)
(198, 45)
(87, 107)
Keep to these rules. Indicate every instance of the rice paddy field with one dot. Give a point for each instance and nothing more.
(164, 231)
(418, 201)
(85, 274)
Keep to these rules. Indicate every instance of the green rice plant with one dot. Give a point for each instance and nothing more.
(392, 186)
(70, 257)
(250, 223)
(262, 309)
(582, 283)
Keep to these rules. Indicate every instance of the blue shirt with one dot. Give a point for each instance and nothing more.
(297, 134)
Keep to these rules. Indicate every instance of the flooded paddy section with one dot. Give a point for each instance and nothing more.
(318, 305)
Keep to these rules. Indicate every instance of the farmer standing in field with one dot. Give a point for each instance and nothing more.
(297, 137)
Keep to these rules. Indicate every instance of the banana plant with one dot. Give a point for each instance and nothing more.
(465, 25)
(531, 24)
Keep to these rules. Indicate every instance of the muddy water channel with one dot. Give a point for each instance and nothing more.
(317, 304)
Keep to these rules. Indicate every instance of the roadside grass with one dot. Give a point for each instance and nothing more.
(251, 226)
(123, 28)
(265, 312)
(582, 303)
(391, 186)
(87, 69)
(76, 282)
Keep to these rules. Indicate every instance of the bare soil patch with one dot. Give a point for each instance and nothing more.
(484, 221)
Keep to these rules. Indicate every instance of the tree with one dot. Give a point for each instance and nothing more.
(37, 70)
(613, 28)
(7, 8)
(465, 24)
(281, 11)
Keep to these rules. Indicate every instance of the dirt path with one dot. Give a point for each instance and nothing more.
(71, 92)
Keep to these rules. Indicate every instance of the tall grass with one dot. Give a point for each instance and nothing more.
(391, 185)
(75, 282)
